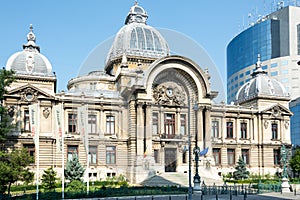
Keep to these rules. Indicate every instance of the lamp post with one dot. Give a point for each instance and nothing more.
(285, 182)
(190, 191)
(197, 178)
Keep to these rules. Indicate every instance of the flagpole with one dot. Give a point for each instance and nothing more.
(62, 153)
(87, 146)
(37, 138)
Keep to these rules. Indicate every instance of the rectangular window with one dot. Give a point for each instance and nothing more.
(274, 73)
(170, 125)
(230, 156)
(31, 150)
(92, 123)
(71, 151)
(276, 153)
(156, 155)
(26, 121)
(298, 38)
(72, 122)
(274, 127)
(110, 155)
(243, 130)
(229, 129)
(215, 129)
(155, 123)
(274, 65)
(265, 67)
(110, 124)
(93, 86)
(245, 156)
(284, 80)
(93, 154)
(182, 124)
(217, 155)
(184, 157)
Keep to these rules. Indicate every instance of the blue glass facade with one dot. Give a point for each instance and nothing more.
(262, 38)
(295, 124)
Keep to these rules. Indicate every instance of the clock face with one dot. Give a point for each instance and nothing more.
(169, 92)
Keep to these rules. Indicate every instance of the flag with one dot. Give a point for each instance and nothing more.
(204, 152)
(33, 116)
(83, 124)
(58, 127)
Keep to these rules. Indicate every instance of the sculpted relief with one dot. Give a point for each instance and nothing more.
(169, 94)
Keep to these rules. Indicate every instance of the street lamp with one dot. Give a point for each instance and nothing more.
(197, 178)
(190, 191)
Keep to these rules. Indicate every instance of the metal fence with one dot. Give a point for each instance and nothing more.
(240, 189)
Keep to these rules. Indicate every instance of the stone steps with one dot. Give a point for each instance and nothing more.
(176, 179)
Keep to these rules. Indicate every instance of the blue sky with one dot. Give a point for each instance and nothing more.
(67, 31)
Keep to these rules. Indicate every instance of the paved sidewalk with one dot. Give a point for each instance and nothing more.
(265, 196)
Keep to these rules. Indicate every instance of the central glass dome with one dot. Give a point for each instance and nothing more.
(137, 39)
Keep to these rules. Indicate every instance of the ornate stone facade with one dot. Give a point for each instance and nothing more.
(141, 112)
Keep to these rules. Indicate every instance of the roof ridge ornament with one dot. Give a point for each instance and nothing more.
(124, 63)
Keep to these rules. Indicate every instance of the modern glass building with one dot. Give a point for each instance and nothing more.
(295, 122)
(276, 37)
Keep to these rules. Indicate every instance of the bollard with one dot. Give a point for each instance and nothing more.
(217, 196)
(230, 195)
(295, 191)
(201, 196)
(245, 195)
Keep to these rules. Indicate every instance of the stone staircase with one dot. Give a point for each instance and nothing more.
(176, 179)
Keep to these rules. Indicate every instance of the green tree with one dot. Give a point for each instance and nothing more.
(27, 176)
(49, 179)
(74, 170)
(295, 162)
(241, 171)
(13, 167)
(6, 78)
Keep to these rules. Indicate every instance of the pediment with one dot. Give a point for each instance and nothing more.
(277, 110)
(29, 93)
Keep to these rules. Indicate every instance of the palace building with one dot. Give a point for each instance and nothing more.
(138, 116)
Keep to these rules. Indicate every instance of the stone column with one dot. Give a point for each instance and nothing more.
(120, 125)
(101, 122)
(149, 130)
(140, 130)
(207, 128)
(200, 127)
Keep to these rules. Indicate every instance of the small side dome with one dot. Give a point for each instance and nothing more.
(137, 39)
(260, 86)
(30, 60)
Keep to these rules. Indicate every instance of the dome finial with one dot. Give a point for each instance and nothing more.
(30, 27)
(258, 68)
(258, 63)
(30, 35)
(31, 46)
(136, 14)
